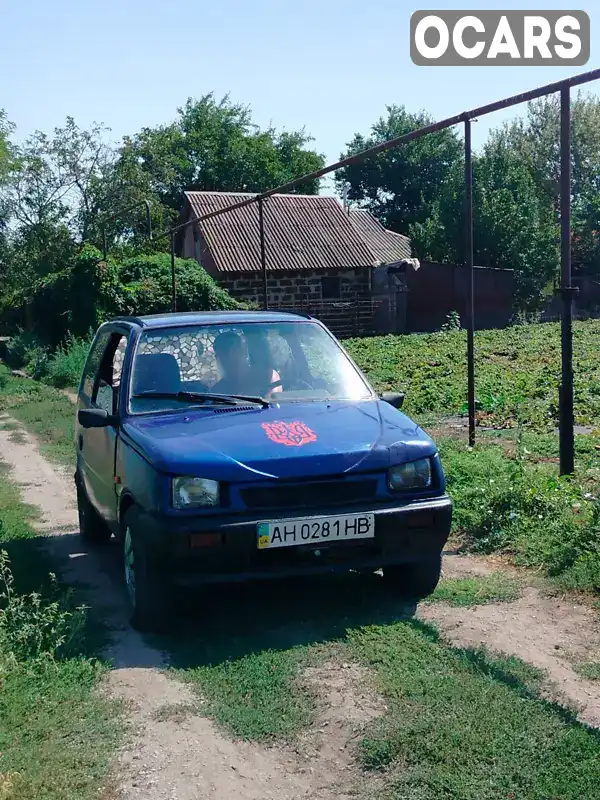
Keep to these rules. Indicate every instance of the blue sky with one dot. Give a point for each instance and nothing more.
(328, 65)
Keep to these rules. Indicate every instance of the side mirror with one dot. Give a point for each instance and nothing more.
(395, 399)
(95, 418)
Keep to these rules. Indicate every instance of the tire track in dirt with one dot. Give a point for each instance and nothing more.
(184, 756)
(546, 631)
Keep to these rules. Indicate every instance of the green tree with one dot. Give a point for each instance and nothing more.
(401, 186)
(515, 225)
(214, 146)
(536, 139)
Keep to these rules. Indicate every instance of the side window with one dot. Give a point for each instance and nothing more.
(106, 395)
(92, 364)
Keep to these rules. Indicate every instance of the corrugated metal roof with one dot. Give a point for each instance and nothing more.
(387, 246)
(302, 232)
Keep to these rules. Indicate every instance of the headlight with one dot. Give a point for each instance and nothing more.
(413, 475)
(195, 492)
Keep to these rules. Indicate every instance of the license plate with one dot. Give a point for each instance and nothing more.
(315, 530)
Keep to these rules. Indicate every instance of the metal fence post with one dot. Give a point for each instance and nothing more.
(566, 416)
(263, 254)
(173, 283)
(470, 282)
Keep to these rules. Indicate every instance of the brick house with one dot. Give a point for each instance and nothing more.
(341, 266)
(316, 251)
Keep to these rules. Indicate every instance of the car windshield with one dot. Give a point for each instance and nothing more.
(244, 363)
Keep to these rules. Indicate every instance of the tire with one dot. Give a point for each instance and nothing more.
(91, 527)
(147, 589)
(415, 581)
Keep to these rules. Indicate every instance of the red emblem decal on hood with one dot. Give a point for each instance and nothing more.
(292, 434)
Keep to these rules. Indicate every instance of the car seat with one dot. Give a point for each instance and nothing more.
(156, 372)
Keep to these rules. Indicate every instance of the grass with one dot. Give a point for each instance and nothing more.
(477, 590)
(517, 372)
(256, 696)
(57, 732)
(44, 411)
(589, 670)
(462, 725)
(457, 725)
(513, 501)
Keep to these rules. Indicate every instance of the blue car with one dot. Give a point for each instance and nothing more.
(229, 446)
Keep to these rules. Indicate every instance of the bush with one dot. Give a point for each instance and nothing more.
(65, 365)
(89, 291)
(33, 627)
(507, 504)
(26, 351)
(147, 286)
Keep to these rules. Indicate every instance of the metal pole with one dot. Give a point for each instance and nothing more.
(470, 282)
(173, 285)
(148, 219)
(263, 254)
(566, 416)
(104, 243)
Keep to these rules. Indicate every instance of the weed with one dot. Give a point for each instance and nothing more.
(588, 669)
(506, 503)
(65, 365)
(35, 626)
(477, 590)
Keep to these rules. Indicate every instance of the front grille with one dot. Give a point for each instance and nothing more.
(310, 495)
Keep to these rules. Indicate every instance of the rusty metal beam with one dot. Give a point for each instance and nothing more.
(470, 281)
(566, 416)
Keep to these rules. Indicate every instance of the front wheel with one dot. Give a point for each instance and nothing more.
(147, 589)
(417, 580)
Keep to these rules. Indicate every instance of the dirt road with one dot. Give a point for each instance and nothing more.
(174, 753)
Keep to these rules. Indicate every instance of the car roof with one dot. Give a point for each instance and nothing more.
(211, 318)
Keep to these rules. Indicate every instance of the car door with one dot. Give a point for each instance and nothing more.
(97, 446)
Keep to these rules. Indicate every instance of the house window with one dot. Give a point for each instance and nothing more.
(330, 288)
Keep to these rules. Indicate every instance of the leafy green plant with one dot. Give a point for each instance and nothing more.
(503, 502)
(517, 372)
(33, 626)
(452, 322)
(65, 366)
(25, 350)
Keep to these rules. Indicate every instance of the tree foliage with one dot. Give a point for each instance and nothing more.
(214, 146)
(76, 299)
(401, 185)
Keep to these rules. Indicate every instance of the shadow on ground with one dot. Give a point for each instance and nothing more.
(224, 622)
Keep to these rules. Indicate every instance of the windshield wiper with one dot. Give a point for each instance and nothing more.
(226, 399)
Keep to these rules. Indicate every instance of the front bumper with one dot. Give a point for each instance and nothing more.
(406, 533)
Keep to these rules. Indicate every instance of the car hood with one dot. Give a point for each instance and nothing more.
(290, 441)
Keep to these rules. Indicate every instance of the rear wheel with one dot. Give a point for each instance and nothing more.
(416, 580)
(148, 591)
(92, 528)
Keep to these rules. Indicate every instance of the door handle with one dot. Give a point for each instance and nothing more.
(80, 440)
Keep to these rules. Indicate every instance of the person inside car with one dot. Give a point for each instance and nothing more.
(239, 375)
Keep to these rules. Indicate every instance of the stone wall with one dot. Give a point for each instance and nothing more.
(290, 288)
